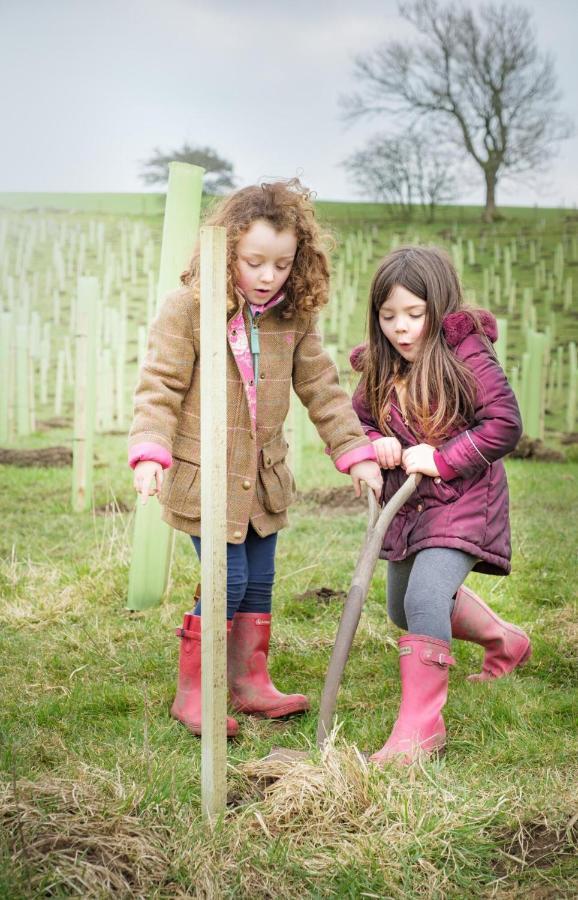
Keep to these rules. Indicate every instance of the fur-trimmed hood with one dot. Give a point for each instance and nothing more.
(456, 326)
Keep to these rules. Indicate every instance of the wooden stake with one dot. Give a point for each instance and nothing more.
(213, 245)
(84, 393)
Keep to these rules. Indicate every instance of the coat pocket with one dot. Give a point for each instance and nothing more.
(275, 483)
(181, 490)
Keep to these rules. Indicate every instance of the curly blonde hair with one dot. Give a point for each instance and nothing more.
(284, 205)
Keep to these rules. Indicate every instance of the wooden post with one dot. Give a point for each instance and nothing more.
(153, 538)
(213, 245)
(22, 380)
(6, 376)
(572, 387)
(84, 393)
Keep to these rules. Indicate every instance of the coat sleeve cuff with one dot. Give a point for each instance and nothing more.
(344, 462)
(149, 452)
(446, 472)
(374, 435)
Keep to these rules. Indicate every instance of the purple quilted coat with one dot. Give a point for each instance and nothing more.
(467, 507)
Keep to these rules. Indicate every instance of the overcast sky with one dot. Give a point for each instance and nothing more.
(90, 87)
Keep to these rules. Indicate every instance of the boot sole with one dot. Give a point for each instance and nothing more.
(196, 729)
(401, 758)
(278, 712)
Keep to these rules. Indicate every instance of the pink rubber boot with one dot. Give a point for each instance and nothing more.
(187, 703)
(506, 645)
(250, 685)
(419, 729)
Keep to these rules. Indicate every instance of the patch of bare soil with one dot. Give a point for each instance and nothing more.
(331, 499)
(113, 507)
(530, 449)
(571, 438)
(538, 844)
(323, 595)
(42, 457)
(56, 422)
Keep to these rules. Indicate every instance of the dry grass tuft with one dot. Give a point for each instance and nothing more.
(84, 838)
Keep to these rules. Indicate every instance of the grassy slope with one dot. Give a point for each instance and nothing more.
(85, 689)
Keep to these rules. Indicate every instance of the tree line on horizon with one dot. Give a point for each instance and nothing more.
(473, 89)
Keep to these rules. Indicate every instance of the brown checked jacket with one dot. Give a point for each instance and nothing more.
(260, 486)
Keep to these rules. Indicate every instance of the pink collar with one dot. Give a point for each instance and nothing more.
(260, 308)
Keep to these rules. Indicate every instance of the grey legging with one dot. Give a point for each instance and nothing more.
(421, 590)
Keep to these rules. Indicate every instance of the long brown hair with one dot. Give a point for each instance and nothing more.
(440, 389)
(284, 205)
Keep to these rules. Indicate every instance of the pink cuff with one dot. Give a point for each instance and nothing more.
(149, 452)
(344, 462)
(374, 435)
(445, 471)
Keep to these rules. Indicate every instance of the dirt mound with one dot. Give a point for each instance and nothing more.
(529, 449)
(43, 457)
(323, 595)
(341, 498)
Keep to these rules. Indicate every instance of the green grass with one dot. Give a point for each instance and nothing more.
(89, 748)
(99, 788)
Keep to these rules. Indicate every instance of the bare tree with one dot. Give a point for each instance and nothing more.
(479, 75)
(219, 172)
(403, 170)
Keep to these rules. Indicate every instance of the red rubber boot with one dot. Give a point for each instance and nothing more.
(250, 685)
(506, 645)
(419, 729)
(187, 703)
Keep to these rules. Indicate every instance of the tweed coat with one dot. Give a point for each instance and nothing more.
(260, 485)
(467, 506)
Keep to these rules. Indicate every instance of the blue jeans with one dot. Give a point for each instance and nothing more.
(250, 573)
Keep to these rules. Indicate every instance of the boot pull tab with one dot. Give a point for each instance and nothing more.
(433, 657)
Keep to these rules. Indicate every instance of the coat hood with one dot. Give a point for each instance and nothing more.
(456, 326)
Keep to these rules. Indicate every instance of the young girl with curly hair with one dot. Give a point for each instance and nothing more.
(277, 281)
(434, 400)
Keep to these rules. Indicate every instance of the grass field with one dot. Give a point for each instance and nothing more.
(99, 788)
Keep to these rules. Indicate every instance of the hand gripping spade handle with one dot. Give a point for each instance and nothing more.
(379, 522)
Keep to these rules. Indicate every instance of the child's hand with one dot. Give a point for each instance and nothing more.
(144, 472)
(420, 459)
(388, 452)
(369, 472)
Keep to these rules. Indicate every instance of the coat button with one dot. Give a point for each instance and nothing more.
(262, 376)
(437, 480)
(388, 418)
(246, 484)
(268, 460)
(237, 535)
(420, 507)
(252, 436)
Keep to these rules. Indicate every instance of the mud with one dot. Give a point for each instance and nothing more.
(538, 844)
(529, 449)
(114, 507)
(328, 500)
(323, 595)
(55, 422)
(42, 457)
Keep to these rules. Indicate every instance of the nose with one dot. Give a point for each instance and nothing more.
(267, 275)
(400, 326)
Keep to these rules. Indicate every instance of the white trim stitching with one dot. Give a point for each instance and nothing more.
(476, 449)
